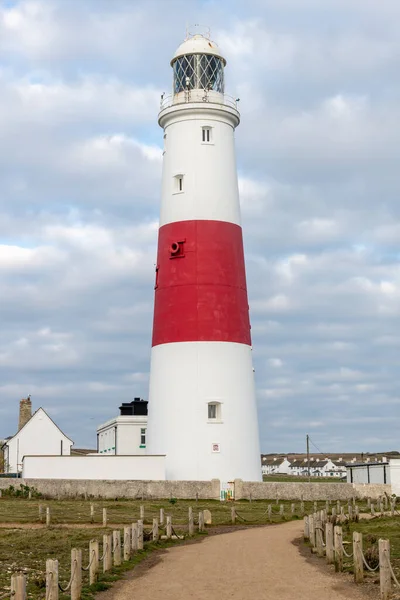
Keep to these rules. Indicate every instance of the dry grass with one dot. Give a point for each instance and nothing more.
(25, 548)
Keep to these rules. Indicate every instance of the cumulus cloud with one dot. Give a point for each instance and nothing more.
(80, 167)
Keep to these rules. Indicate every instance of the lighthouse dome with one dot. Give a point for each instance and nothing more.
(198, 44)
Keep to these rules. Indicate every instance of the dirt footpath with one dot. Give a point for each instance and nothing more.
(253, 564)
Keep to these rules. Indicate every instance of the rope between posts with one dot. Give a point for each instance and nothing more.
(66, 589)
(104, 552)
(179, 537)
(366, 564)
(392, 573)
(345, 553)
(90, 562)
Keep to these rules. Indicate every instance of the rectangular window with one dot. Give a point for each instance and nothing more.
(178, 183)
(206, 135)
(212, 411)
(143, 437)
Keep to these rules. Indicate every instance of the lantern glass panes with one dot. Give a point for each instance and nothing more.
(198, 71)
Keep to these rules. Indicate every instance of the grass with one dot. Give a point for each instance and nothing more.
(373, 530)
(28, 549)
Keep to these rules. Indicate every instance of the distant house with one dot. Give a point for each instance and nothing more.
(276, 465)
(38, 436)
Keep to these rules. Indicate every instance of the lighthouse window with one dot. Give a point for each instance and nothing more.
(206, 134)
(178, 183)
(198, 71)
(214, 411)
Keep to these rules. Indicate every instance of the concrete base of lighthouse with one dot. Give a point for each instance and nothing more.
(185, 378)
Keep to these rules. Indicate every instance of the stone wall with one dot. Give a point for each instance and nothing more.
(72, 488)
(307, 491)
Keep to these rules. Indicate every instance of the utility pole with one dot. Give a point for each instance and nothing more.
(308, 457)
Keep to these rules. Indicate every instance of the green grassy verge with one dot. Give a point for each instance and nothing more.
(27, 549)
(373, 530)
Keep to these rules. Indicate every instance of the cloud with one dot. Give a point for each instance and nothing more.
(80, 173)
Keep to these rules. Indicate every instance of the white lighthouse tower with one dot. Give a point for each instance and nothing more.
(202, 408)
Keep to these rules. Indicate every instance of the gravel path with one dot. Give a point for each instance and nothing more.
(252, 564)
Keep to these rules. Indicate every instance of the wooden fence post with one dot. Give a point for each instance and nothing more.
(369, 502)
(319, 538)
(155, 529)
(306, 528)
(338, 507)
(104, 517)
(338, 539)
(233, 515)
(384, 570)
(107, 552)
(392, 507)
(311, 529)
(92, 512)
(76, 573)
(315, 507)
(94, 555)
(372, 509)
(134, 537)
(169, 527)
(191, 522)
(330, 555)
(51, 579)
(127, 543)
(161, 516)
(350, 507)
(48, 516)
(117, 547)
(140, 534)
(141, 512)
(40, 513)
(357, 557)
(269, 512)
(281, 509)
(333, 511)
(201, 521)
(18, 586)
(302, 507)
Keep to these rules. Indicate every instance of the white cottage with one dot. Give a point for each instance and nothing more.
(39, 436)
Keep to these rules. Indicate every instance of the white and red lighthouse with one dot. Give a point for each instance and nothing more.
(202, 408)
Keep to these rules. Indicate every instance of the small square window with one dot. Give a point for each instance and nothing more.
(206, 135)
(143, 437)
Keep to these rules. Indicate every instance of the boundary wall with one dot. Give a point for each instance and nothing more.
(204, 490)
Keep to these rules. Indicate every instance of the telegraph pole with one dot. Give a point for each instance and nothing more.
(308, 457)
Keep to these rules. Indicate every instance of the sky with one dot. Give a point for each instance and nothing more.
(318, 162)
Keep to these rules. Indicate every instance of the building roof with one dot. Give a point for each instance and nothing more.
(32, 417)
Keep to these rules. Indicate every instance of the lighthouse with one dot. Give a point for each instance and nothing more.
(202, 407)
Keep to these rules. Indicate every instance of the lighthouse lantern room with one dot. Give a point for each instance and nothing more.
(202, 408)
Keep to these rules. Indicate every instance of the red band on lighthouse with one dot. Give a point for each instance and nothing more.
(201, 290)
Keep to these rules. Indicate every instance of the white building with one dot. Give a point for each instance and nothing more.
(202, 406)
(387, 471)
(275, 466)
(39, 436)
(125, 434)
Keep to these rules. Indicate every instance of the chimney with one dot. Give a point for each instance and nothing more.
(25, 412)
